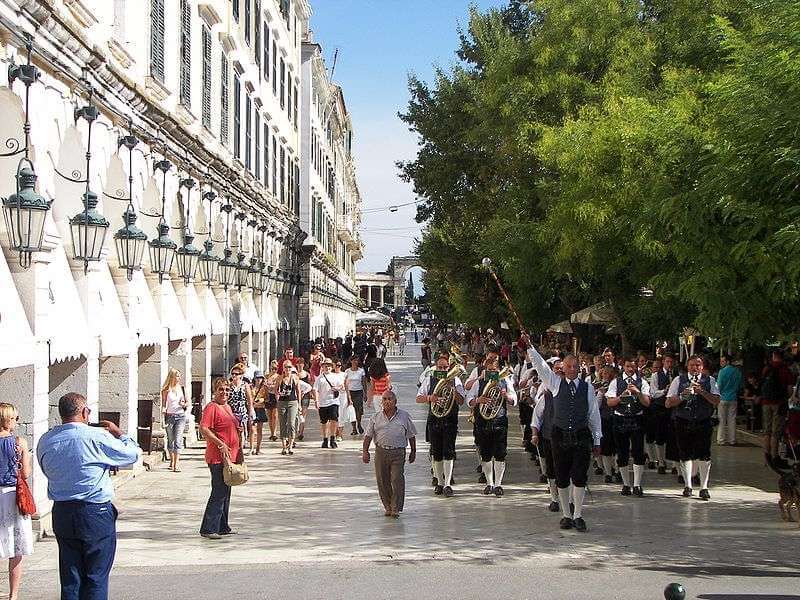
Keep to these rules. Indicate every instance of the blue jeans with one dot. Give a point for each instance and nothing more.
(87, 542)
(175, 425)
(215, 519)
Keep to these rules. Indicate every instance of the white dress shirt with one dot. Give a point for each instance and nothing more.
(508, 385)
(675, 385)
(425, 384)
(612, 387)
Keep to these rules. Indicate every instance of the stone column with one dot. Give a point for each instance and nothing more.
(380, 291)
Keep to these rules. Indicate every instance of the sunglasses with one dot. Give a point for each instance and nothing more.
(235, 373)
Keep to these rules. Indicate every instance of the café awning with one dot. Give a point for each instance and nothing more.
(562, 327)
(597, 314)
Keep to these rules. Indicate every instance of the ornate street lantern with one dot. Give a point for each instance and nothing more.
(242, 271)
(227, 269)
(130, 241)
(88, 229)
(188, 254)
(254, 275)
(162, 249)
(208, 263)
(294, 284)
(267, 282)
(277, 285)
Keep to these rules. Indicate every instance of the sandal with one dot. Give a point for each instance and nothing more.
(283, 452)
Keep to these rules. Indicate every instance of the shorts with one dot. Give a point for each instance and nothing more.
(328, 413)
(305, 402)
(261, 415)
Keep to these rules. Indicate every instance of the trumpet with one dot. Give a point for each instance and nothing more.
(445, 391)
(492, 391)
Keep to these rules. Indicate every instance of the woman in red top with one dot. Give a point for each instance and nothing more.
(379, 382)
(221, 430)
(315, 361)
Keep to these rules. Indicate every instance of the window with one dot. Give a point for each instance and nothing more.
(266, 51)
(283, 174)
(285, 11)
(237, 117)
(266, 155)
(297, 188)
(274, 166)
(314, 217)
(283, 84)
(157, 39)
(248, 132)
(257, 33)
(294, 112)
(236, 10)
(247, 21)
(206, 77)
(224, 102)
(257, 147)
(289, 96)
(274, 68)
(186, 55)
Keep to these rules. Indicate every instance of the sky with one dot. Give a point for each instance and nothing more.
(380, 42)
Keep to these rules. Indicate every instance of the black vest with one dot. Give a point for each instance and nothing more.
(693, 408)
(571, 413)
(629, 406)
(482, 386)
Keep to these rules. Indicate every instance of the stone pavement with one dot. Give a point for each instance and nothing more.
(311, 526)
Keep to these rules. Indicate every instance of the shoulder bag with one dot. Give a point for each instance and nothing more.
(235, 473)
(25, 501)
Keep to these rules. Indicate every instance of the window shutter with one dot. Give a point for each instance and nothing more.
(257, 147)
(206, 78)
(247, 21)
(257, 33)
(295, 108)
(237, 117)
(266, 155)
(186, 54)
(283, 84)
(248, 121)
(224, 101)
(157, 39)
(274, 166)
(274, 68)
(283, 174)
(266, 51)
(236, 10)
(297, 188)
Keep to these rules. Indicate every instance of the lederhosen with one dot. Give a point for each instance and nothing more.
(525, 412)
(628, 421)
(657, 431)
(607, 445)
(441, 432)
(545, 436)
(571, 438)
(692, 422)
(492, 434)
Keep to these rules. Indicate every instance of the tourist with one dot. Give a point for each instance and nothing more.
(305, 399)
(401, 342)
(76, 459)
(288, 355)
(271, 382)
(260, 396)
(315, 361)
(249, 369)
(16, 535)
(221, 429)
(173, 405)
(379, 382)
(344, 401)
(729, 382)
(326, 398)
(392, 429)
(776, 387)
(241, 401)
(425, 352)
(290, 390)
(355, 383)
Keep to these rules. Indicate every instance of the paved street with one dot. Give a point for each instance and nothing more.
(311, 526)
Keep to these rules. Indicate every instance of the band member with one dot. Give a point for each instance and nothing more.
(524, 380)
(442, 431)
(576, 432)
(658, 430)
(542, 425)
(608, 449)
(693, 396)
(492, 434)
(472, 380)
(628, 396)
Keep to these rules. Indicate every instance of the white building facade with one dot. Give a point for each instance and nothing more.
(200, 129)
(330, 203)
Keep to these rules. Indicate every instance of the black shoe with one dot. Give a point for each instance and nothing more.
(696, 480)
(637, 491)
(498, 491)
(487, 490)
(542, 478)
(300, 438)
(482, 478)
(674, 470)
(434, 482)
(360, 429)
(565, 523)
(617, 477)
(580, 524)
(354, 432)
(662, 470)
(687, 492)
(598, 471)
(294, 444)
(554, 506)
(704, 495)
(681, 479)
(438, 490)
(283, 451)
(334, 444)
(651, 465)
(626, 490)
(608, 479)
(448, 491)
(479, 469)
(273, 438)
(325, 443)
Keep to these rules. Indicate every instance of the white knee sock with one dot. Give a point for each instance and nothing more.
(578, 495)
(638, 471)
(608, 465)
(705, 471)
(553, 490)
(626, 475)
(661, 453)
(563, 497)
(438, 472)
(687, 473)
(448, 472)
(487, 470)
(499, 470)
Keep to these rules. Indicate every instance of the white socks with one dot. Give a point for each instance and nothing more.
(705, 471)
(448, 472)
(553, 490)
(626, 475)
(563, 498)
(661, 453)
(578, 494)
(488, 472)
(638, 471)
(438, 472)
(499, 470)
(687, 473)
(608, 465)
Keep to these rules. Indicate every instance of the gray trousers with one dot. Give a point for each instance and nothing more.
(389, 473)
(287, 417)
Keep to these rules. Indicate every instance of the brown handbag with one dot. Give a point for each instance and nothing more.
(25, 502)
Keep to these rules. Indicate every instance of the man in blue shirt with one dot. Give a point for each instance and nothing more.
(729, 382)
(76, 459)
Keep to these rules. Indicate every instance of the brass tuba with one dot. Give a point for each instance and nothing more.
(445, 391)
(492, 390)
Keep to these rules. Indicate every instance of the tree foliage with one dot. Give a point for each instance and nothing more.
(643, 152)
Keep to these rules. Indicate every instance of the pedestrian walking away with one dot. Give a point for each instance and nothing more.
(76, 460)
(173, 405)
(393, 430)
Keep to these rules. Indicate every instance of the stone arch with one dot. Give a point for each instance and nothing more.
(398, 268)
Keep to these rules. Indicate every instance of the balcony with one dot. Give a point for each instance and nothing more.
(344, 224)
